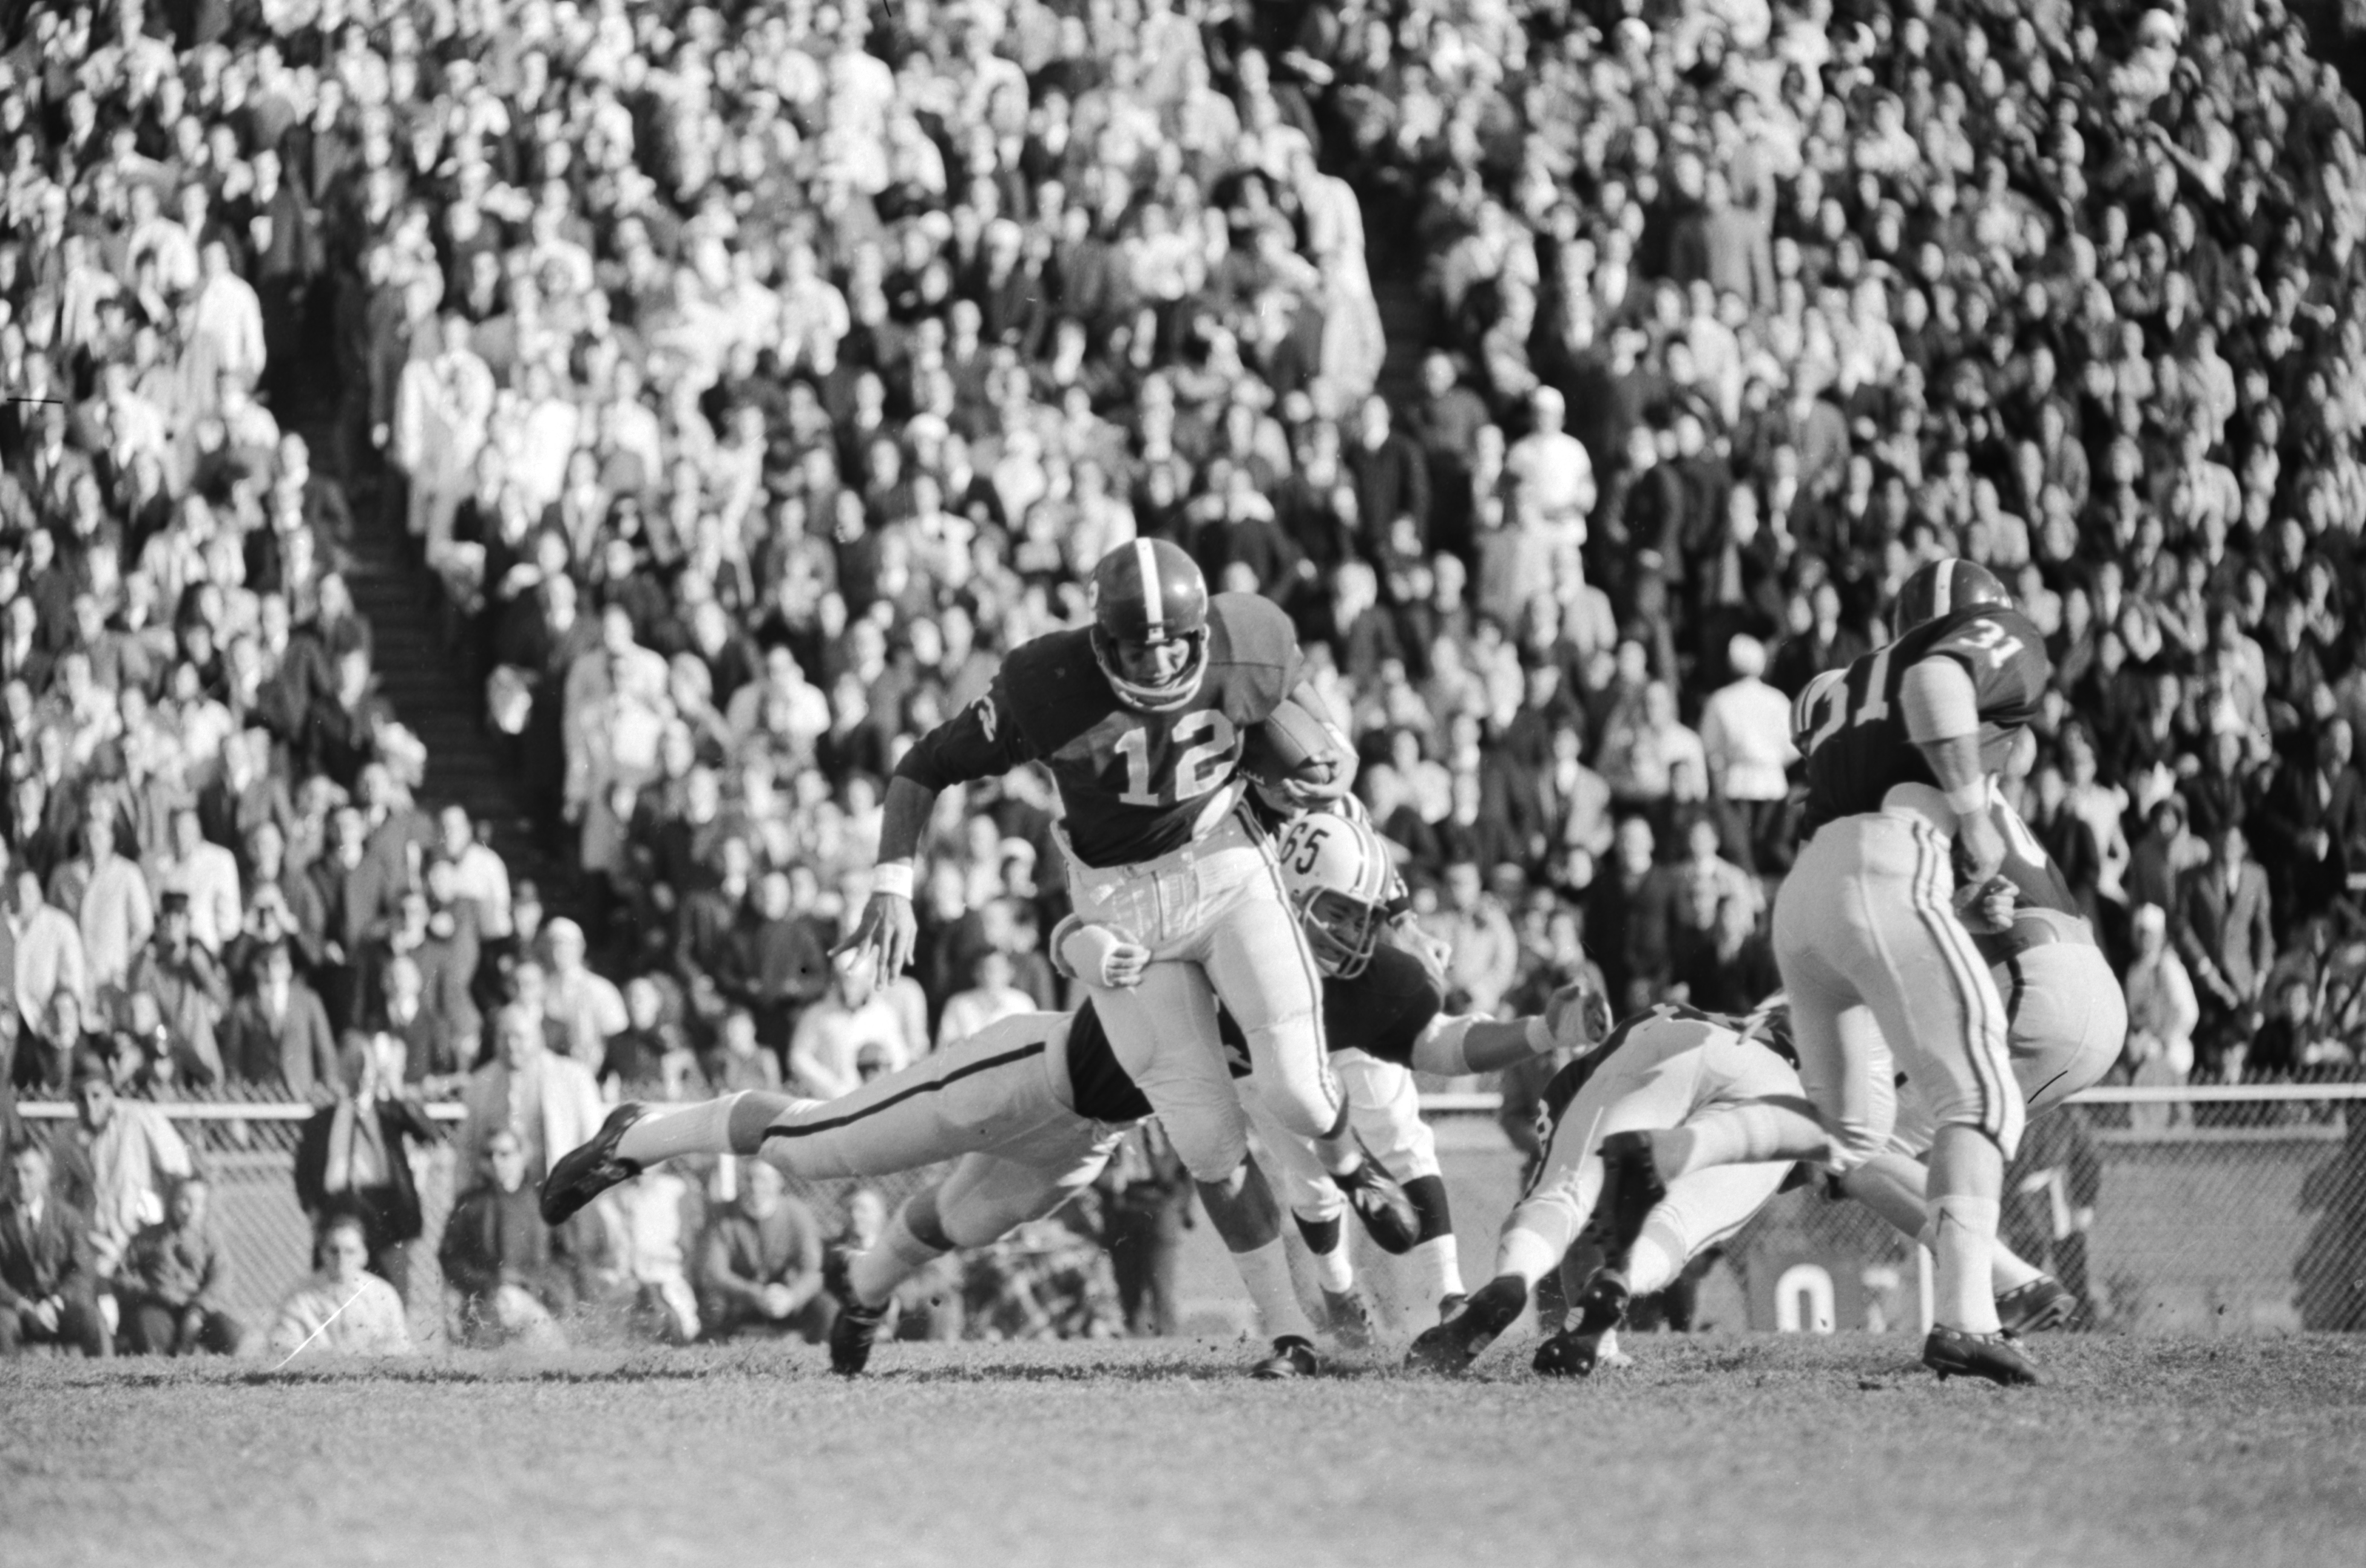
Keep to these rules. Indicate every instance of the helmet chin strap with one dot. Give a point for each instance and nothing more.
(1144, 698)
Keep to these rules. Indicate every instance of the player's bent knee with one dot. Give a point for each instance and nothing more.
(1300, 1090)
(1212, 1151)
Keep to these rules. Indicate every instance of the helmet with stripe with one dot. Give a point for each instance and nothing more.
(1942, 588)
(1148, 596)
(1339, 877)
(1813, 706)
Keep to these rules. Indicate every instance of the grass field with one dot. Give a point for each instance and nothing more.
(1721, 1448)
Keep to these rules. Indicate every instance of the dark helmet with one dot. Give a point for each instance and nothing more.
(1942, 588)
(1147, 593)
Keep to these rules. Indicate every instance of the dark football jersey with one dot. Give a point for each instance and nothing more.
(1135, 785)
(1383, 1011)
(1861, 750)
(1104, 1091)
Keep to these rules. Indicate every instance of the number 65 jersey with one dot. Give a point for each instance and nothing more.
(1135, 785)
(1859, 749)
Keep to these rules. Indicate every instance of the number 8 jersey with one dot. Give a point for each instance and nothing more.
(1858, 749)
(1135, 785)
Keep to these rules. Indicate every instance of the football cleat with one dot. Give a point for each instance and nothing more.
(1453, 1344)
(1348, 1317)
(1601, 1307)
(1294, 1357)
(1631, 1189)
(2045, 1302)
(1388, 1216)
(584, 1172)
(1567, 1355)
(856, 1328)
(1450, 1304)
(1955, 1352)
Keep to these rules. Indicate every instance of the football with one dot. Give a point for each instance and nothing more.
(1293, 744)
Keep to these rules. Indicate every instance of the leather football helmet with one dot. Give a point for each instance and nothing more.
(1942, 588)
(1147, 594)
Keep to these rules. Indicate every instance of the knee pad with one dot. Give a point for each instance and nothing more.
(1210, 1142)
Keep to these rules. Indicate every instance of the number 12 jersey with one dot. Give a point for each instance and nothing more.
(1135, 785)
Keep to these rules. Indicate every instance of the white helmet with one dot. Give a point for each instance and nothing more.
(1340, 880)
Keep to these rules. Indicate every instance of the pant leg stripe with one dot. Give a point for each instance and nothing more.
(1334, 1095)
(1022, 1054)
(1954, 941)
(1995, 1082)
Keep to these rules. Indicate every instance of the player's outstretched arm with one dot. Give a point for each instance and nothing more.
(982, 740)
(1454, 1047)
(889, 930)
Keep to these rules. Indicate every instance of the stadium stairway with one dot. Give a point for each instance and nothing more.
(436, 696)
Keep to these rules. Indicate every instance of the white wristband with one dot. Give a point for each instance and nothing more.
(1539, 1034)
(1969, 801)
(894, 877)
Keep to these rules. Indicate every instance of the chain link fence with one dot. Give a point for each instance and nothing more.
(2188, 1211)
(2179, 1211)
(246, 1149)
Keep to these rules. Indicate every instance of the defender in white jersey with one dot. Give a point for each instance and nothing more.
(1659, 1069)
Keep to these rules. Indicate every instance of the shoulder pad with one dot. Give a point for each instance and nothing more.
(1053, 687)
(1250, 629)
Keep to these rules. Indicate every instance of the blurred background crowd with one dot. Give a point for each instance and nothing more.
(743, 380)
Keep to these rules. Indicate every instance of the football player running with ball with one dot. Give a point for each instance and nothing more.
(1142, 719)
(1031, 1107)
(1875, 955)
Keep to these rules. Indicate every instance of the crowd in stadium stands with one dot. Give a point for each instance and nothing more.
(749, 378)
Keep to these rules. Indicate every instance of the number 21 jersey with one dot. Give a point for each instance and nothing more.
(1861, 749)
(1135, 785)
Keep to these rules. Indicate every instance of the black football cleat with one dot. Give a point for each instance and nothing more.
(1388, 1216)
(1568, 1354)
(1294, 1357)
(1631, 1189)
(1453, 1344)
(1958, 1353)
(1348, 1317)
(2045, 1302)
(1601, 1307)
(588, 1169)
(856, 1328)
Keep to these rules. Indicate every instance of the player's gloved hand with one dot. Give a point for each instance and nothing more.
(1577, 1017)
(884, 938)
(1103, 955)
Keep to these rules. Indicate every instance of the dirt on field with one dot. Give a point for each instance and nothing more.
(1716, 1448)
